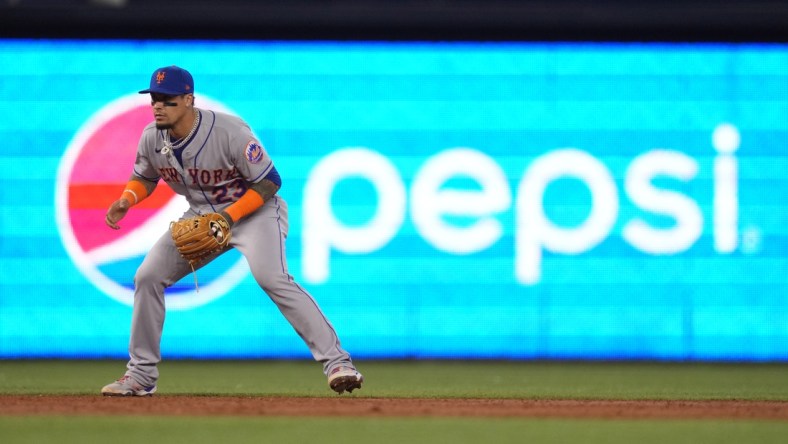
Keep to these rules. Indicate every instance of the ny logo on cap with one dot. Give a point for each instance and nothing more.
(160, 77)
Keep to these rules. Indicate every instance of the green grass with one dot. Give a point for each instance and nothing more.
(132, 430)
(483, 379)
(428, 379)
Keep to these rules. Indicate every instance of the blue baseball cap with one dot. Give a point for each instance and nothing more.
(170, 80)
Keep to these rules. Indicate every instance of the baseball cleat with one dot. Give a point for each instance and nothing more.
(345, 378)
(126, 386)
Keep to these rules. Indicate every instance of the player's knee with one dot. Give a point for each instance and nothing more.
(271, 280)
(147, 276)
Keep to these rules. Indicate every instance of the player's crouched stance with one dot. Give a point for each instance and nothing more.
(230, 182)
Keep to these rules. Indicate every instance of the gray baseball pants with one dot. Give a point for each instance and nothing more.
(260, 238)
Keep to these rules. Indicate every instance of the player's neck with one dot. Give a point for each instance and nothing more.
(185, 125)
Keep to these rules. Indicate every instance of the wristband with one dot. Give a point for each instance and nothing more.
(135, 192)
(249, 202)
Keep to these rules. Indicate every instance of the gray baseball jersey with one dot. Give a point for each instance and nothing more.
(216, 164)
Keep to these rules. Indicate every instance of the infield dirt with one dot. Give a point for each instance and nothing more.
(384, 407)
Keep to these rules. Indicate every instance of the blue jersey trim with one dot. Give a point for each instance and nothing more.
(264, 173)
(210, 130)
(274, 177)
(179, 151)
(156, 179)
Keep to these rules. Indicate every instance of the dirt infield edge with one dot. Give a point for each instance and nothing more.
(389, 407)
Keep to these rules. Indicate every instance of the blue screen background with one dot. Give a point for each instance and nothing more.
(513, 102)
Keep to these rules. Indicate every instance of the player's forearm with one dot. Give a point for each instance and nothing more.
(265, 188)
(137, 189)
(253, 199)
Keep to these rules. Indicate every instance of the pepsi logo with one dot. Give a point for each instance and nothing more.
(92, 173)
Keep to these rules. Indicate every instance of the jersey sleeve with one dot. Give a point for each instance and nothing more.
(252, 160)
(143, 167)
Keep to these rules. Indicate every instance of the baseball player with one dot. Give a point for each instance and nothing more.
(215, 161)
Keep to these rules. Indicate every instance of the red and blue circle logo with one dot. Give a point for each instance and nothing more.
(254, 152)
(92, 174)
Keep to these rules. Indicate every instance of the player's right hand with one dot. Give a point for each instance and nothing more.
(116, 212)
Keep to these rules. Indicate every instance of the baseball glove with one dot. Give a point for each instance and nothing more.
(200, 237)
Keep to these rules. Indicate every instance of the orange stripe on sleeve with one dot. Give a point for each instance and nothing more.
(250, 201)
